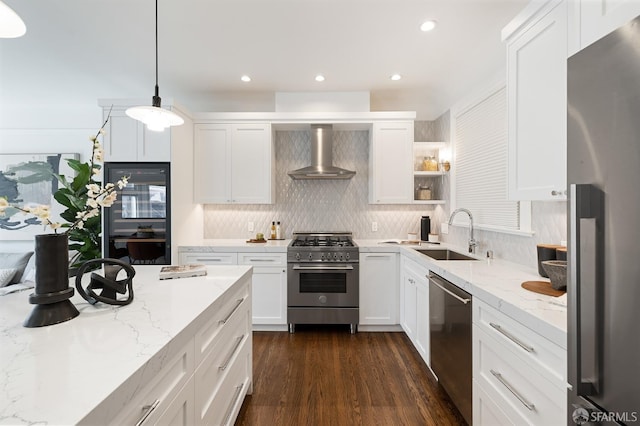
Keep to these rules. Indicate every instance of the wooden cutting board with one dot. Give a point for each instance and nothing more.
(542, 287)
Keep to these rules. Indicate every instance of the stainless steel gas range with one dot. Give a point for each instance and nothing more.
(322, 277)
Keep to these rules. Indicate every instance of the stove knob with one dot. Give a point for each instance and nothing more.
(322, 299)
(322, 256)
(347, 256)
(297, 256)
(335, 256)
(310, 256)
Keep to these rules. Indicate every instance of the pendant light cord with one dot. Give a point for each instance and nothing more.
(156, 99)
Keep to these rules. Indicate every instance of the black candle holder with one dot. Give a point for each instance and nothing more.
(52, 292)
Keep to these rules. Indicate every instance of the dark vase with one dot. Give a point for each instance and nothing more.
(52, 292)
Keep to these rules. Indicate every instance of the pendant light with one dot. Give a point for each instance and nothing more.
(155, 117)
(11, 26)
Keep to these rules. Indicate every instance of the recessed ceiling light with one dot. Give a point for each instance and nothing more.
(245, 78)
(428, 25)
(396, 77)
(319, 77)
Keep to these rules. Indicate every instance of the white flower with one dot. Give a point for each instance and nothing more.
(109, 186)
(55, 225)
(91, 202)
(95, 171)
(93, 189)
(123, 182)
(80, 224)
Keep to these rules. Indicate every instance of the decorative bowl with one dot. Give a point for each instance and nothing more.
(557, 271)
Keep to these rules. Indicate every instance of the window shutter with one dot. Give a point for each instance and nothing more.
(481, 161)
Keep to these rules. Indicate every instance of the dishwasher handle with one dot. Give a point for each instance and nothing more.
(441, 283)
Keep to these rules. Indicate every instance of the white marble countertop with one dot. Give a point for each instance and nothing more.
(496, 283)
(59, 373)
(234, 245)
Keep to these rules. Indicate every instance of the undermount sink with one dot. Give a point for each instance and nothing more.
(445, 254)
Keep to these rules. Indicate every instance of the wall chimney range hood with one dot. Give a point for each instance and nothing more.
(321, 157)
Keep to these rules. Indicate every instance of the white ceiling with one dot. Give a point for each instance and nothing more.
(80, 50)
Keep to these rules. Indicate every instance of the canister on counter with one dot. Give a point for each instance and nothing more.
(425, 228)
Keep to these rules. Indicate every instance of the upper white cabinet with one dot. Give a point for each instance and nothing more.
(127, 139)
(233, 163)
(537, 48)
(379, 288)
(598, 18)
(390, 163)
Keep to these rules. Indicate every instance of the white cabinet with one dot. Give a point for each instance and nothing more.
(233, 163)
(391, 163)
(519, 376)
(598, 18)
(269, 289)
(422, 337)
(379, 288)
(216, 258)
(127, 139)
(201, 377)
(537, 104)
(414, 307)
(269, 286)
(223, 375)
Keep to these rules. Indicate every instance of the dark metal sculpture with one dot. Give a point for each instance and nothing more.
(109, 285)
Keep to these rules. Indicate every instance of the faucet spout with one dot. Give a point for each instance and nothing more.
(472, 242)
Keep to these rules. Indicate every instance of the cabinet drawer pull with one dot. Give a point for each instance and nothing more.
(208, 259)
(515, 393)
(236, 396)
(511, 337)
(226, 362)
(235, 308)
(148, 409)
(261, 260)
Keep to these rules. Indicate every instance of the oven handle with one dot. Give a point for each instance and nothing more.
(323, 268)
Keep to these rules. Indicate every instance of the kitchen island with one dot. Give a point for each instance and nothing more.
(158, 356)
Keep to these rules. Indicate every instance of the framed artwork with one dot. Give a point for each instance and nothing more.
(27, 180)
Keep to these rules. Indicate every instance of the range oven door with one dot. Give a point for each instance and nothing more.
(313, 285)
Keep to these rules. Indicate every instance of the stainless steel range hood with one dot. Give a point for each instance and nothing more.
(322, 157)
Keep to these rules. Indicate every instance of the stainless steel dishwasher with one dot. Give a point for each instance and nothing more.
(450, 332)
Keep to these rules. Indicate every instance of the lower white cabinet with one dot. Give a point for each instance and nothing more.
(223, 376)
(518, 375)
(269, 292)
(379, 288)
(209, 258)
(203, 381)
(269, 286)
(414, 309)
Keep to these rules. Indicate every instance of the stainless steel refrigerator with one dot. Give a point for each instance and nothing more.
(603, 171)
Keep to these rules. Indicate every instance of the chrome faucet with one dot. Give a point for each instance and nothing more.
(472, 242)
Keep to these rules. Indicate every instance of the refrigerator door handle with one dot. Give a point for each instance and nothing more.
(586, 237)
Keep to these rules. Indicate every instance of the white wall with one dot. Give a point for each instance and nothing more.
(33, 129)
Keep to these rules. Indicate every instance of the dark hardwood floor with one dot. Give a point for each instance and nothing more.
(326, 376)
